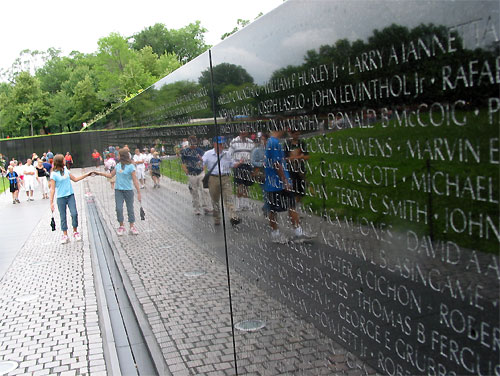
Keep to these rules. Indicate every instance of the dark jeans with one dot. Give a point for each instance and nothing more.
(128, 197)
(69, 201)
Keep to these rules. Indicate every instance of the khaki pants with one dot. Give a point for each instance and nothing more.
(200, 195)
(214, 188)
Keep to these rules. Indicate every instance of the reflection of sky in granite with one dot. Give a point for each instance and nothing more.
(267, 44)
(189, 72)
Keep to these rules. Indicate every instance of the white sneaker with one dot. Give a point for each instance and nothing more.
(121, 231)
(278, 238)
(77, 237)
(64, 239)
(300, 235)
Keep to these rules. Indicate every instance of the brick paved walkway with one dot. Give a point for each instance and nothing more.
(48, 310)
(190, 316)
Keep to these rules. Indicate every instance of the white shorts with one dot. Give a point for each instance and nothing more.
(29, 184)
(139, 172)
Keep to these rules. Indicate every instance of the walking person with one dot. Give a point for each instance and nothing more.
(47, 166)
(192, 164)
(50, 157)
(126, 179)
(69, 160)
(60, 182)
(155, 164)
(19, 169)
(258, 161)
(139, 161)
(109, 165)
(220, 179)
(296, 155)
(41, 176)
(13, 184)
(96, 158)
(29, 179)
(278, 189)
(240, 149)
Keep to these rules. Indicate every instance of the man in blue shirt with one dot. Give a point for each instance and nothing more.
(278, 193)
(46, 165)
(50, 156)
(192, 164)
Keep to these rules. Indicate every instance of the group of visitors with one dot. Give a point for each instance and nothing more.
(262, 159)
(122, 173)
(28, 176)
(279, 168)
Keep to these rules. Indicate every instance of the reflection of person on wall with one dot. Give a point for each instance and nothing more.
(192, 164)
(155, 164)
(215, 185)
(278, 189)
(140, 166)
(126, 180)
(240, 149)
(296, 155)
(258, 161)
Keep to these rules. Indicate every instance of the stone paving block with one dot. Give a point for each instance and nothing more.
(191, 316)
(42, 372)
(68, 373)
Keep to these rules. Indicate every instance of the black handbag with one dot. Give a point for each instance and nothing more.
(207, 176)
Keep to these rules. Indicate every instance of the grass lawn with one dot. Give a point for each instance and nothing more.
(4, 184)
(406, 178)
(350, 172)
(172, 169)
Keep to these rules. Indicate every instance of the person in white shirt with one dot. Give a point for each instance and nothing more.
(29, 179)
(147, 159)
(216, 183)
(109, 165)
(140, 167)
(240, 149)
(19, 169)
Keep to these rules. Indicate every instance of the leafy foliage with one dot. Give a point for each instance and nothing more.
(45, 92)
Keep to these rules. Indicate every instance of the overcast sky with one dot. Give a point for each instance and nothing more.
(77, 25)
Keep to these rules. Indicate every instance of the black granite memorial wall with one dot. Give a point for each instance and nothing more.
(396, 108)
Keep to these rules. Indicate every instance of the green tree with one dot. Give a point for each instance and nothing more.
(112, 57)
(167, 63)
(157, 37)
(186, 43)
(189, 41)
(24, 108)
(240, 24)
(85, 103)
(61, 112)
(224, 75)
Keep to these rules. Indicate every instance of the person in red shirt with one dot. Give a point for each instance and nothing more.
(69, 160)
(96, 157)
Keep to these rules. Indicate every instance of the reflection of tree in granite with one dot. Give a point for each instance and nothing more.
(224, 75)
(425, 49)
